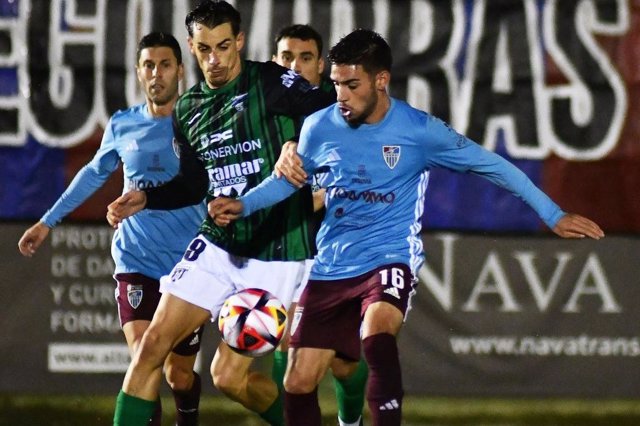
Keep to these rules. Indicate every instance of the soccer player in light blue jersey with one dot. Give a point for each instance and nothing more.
(374, 153)
(299, 47)
(147, 245)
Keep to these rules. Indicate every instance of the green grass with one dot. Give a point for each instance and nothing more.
(215, 410)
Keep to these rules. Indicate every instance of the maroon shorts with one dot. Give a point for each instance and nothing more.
(329, 313)
(137, 297)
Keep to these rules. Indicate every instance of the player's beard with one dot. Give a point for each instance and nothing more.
(355, 120)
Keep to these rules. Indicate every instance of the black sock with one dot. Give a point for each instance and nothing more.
(187, 403)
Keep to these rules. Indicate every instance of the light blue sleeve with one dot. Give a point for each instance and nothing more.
(454, 151)
(272, 190)
(87, 181)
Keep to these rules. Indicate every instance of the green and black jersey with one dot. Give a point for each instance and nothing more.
(237, 132)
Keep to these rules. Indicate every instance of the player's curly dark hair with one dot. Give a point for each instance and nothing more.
(212, 13)
(362, 47)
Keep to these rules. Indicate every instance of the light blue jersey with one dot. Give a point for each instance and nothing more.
(376, 178)
(150, 242)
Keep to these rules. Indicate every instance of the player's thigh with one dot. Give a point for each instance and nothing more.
(174, 320)
(133, 332)
(306, 367)
(381, 317)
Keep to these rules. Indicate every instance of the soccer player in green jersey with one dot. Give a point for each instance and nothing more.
(229, 131)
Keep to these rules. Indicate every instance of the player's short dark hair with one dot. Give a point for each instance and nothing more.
(300, 31)
(212, 13)
(362, 47)
(159, 39)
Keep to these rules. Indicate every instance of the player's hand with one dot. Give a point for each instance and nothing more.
(573, 225)
(32, 239)
(224, 210)
(289, 165)
(125, 206)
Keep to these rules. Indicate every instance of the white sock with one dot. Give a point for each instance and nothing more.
(342, 423)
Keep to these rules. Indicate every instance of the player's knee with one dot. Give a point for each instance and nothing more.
(153, 349)
(342, 369)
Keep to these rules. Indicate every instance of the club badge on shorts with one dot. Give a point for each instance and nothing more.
(391, 155)
(134, 295)
(297, 315)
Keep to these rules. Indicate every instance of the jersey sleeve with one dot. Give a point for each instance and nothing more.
(288, 93)
(87, 181)
(190, 184)
(449, 149)
(271, 191)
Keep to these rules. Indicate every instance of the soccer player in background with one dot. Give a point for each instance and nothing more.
(375, 152)
(145, 246)
(230, 129)
(299, 48)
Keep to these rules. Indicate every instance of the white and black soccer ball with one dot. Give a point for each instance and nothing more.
(252, 322)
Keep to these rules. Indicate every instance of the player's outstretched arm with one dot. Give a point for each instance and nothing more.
(224, 210)
(573, 225)
(125, 206)
(32, 239)
(289, 165)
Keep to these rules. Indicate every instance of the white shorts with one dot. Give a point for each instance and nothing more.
(207, 275)
(305, 278)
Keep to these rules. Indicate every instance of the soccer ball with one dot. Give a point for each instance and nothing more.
(252, 322)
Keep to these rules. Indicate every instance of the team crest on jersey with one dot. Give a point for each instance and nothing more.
(391, 155)
(134, 295)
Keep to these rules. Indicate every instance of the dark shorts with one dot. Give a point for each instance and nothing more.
(329, 313)
(137, 297)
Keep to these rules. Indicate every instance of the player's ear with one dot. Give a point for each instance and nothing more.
(320, 65)
(191, 48)
(180, 71)
(382, 80)
(240, 41)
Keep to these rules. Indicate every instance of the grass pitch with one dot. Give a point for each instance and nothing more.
(74, 410)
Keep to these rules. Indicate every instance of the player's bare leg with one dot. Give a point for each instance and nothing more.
(349, 378)
(133, 332)
(255, 391)
(178, 373)
(173, 321)
(305, 369)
